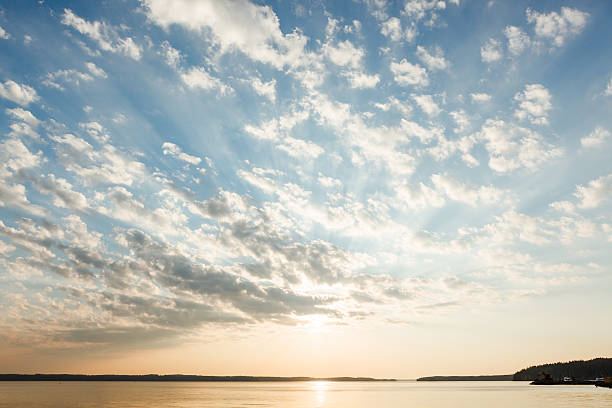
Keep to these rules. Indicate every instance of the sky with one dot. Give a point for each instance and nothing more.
(360, 188)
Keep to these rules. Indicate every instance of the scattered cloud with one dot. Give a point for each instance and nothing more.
(557, 27)
(596, 138)
(491, 51)
(434, 61)
(173, 150)
(20, 94)
(534, 104)
(406, 74)
(595, 192)
(105, 35)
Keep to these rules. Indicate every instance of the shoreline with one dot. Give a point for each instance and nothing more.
(179, 378)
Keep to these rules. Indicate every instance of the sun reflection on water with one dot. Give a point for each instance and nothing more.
(319, 388)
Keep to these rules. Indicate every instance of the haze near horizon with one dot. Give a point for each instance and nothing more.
(286, 188)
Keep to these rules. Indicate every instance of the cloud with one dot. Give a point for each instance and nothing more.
(172, 56)
(608, 90)
(461, 120)
(457, 191)
(491, 51)
(434, 61)
(480, 97)
(198, 78)
(534, 104)
(427, 104)
(557, 27)
(299, 148)
(96, 71)
(106, 165)
(104, 34)
(419, 9)
(344, 54)
(66, 75)
(328, 181)
(241, 25)
(406, 74)
(175, 151)
(595, 192)
(267, 89)
(511, 147)
(392, 28)
(596, 138)
(361, 80)
(518, 41)
(20, 94)
(4, 35)
(26, 123)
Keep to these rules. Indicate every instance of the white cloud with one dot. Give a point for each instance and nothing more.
(427, 104)
(20, 94)
(328, 181)
(480, 97)
(596, 138)
(299, 148)
(517, 40)
(563, 206)
(198, 78)
(15, 156)
(361, 80)
(267, 89)
(434, 61)
(534, 104)
(608, 90)
(25, 124)
(3, 34)
(175, 151)
(172, 56)
(24, 116)
(461, 120)
(406, 73)
(95, 70)
(394, 103)
(14, 195)
(595, 192)
(457, 191)
(105, 35)
(557, 27)
(491, 51)
(419, 9)
(344, 54)
(511, 147)
(105, 165)
(392, 28)
(73, 76)
(239, 25)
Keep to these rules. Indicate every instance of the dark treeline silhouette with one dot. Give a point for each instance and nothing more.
(171, 377)
(505, 377)
(579, 369)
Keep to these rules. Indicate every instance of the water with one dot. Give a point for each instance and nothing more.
(403, 394)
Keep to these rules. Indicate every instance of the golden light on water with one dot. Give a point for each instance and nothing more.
(319, 389)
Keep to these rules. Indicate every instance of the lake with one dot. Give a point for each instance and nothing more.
(299, 395)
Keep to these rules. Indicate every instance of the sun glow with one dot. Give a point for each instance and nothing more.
(319, 388)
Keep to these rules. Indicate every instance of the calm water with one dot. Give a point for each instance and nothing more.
(298, 395)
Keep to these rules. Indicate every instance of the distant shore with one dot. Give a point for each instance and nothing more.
(503, 377)
(176, 378)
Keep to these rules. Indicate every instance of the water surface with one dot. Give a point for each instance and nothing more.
(299, 395)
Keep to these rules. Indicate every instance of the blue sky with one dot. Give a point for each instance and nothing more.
(172, 169)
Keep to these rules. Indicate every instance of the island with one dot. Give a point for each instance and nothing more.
(503, 377)
(175, 378)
